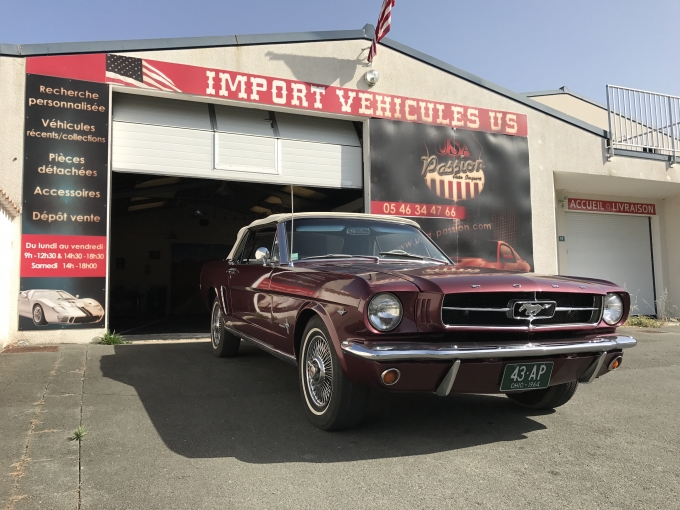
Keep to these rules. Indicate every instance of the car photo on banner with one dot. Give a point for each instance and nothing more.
(495, 255)
(45, 306)
(61, 303)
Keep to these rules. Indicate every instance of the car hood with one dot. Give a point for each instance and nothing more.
(76, 303)
(448, 279)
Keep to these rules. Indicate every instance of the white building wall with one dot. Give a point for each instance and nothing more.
(8, 229)
(12, 80)
(672, 254)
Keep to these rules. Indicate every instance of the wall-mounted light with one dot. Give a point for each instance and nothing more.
(372, 76)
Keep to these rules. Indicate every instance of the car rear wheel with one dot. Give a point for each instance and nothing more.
(39, 316)
(548, 398)
(332, 401)
(224, 344)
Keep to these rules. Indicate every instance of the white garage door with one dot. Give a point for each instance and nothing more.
(615, 248)
(190, 139)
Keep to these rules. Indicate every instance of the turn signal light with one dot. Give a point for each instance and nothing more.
(616, 363)
(390, 376)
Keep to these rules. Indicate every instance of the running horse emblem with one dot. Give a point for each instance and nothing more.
(533, 309)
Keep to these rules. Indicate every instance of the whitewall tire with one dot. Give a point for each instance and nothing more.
(331, 400)
(223, 343)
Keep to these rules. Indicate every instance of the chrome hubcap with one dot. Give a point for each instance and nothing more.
(319, 371)
(216, 325)
(316, 370)
(37, 314)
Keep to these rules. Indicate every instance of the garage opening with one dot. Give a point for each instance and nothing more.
(617, 248)
(163, 229)
(187, 175)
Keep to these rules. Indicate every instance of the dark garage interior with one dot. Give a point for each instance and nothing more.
(163, 229)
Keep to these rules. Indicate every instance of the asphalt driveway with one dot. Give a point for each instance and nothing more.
(171, 427)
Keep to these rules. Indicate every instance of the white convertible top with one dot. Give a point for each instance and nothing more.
(278, 218)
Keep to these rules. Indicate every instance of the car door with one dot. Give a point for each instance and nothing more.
(285, 307)
(291, 287)
(249, 298)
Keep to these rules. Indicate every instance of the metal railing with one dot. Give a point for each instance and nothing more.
(643, 121)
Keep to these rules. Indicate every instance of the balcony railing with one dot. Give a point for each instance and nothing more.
(643, 121)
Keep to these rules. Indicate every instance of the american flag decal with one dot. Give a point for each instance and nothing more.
(136, 72)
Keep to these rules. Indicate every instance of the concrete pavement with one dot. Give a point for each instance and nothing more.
(170, 426)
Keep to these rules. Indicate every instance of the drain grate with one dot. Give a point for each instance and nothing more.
(650, 331)
(33, 348)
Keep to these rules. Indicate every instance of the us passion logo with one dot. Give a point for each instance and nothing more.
(451, 173)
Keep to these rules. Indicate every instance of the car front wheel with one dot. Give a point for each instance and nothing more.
(224, 344)
(548, 398)
(39, 316)
(332, 401)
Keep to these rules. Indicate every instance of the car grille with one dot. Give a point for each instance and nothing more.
(494, 309)
(84, 320)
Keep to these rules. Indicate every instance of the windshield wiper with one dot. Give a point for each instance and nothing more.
(405, 254)
(342, 256)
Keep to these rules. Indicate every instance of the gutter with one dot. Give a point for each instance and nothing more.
(180, 43)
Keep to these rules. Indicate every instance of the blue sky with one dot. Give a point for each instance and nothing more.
(523, 45)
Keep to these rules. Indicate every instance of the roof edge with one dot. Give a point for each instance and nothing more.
(520, 98)
(366, 32)
(564, 90)
(34, 50)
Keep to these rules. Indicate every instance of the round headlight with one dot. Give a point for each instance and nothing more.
(613, 309)
(384, 312)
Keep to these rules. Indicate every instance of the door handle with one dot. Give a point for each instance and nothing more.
(232, 270)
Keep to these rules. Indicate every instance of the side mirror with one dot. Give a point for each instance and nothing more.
(262, 254)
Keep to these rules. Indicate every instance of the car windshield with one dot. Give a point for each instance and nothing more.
(64, 295)
(340, 237)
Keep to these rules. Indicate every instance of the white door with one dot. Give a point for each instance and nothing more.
(162, 136)
(616, 248)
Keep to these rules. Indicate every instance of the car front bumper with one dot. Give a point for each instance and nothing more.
(473, 367)
(402, 351)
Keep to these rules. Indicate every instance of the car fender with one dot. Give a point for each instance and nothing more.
(48, 312)
(323, 312)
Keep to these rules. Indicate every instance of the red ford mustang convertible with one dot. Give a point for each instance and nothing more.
(360, 301)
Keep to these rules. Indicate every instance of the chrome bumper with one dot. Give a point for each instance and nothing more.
(378, 351)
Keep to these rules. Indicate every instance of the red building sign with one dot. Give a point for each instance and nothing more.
(607, 206)
(156, 75)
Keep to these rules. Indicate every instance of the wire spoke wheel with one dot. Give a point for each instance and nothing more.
(332, 401)
(224, 343)
(319, 371)
(216, 333)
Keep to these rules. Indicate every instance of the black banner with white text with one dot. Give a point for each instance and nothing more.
(63, 251)
(468, 190)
